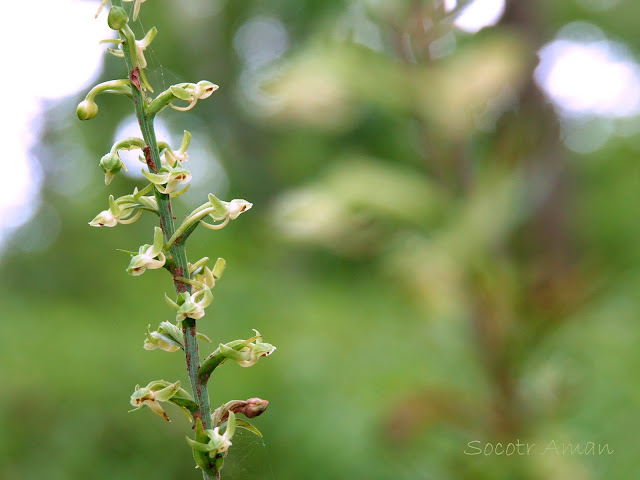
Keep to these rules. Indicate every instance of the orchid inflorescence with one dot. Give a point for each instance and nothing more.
(168, 178)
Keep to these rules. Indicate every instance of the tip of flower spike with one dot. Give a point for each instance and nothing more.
(117, 18)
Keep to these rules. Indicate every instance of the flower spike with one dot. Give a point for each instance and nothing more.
(193, 283)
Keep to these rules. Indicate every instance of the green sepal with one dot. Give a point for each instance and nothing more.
(203, 337)
(219, 267)
(185, 403)
(217, 358)
(168, 337)
(186, 140)
(220, 210)
(230, 353)
(126, 251)
(129, 143)
(240, 423)
(180, 93)
(180, 192)
(154, 341)
(173, 331)
(172, 305)
(182, 297)
(155, 178)
(164, 394)
(188, 407)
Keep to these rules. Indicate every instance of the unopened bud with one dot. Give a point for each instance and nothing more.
(87, 109)
(110, 165)
(117, 18)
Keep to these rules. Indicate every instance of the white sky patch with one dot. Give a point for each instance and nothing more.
(54, 52)
(479, 14)
(260, 41)
(589, 79)
(597, 78)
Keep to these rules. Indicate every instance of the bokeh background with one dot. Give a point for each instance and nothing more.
(443, 244)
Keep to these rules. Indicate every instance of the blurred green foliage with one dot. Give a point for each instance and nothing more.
(433, 266)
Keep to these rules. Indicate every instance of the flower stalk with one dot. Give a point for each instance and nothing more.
(192, 282)
(180, 266)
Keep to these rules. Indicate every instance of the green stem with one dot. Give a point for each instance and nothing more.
(188, 223)
(216, 359)
(178, 252)
(161, 101)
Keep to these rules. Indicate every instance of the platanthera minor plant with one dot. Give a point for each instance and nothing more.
(212, 431)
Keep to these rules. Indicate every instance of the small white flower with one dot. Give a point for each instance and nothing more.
(194, 306)
(147, 254)
(236, 207)
(167, 337)
(156, 392)
(104, 219)
(217, 443)
(120, 211)
(248, 355)
(225, 211)
(192, 92)
(168, 178)
(171, 157)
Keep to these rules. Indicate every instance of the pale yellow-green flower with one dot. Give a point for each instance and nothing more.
(149, 256)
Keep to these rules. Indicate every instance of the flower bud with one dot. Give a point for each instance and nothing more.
(110, 165)
(250, 408)
(117, 18)
(87, 109)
